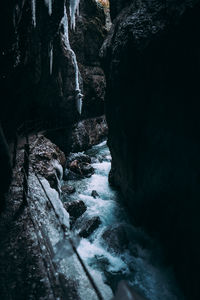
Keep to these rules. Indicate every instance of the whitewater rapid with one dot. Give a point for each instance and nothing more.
(141, 264)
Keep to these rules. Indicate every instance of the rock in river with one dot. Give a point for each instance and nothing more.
(90, 226)
(75, 208)
(94, 194)
(68, 189)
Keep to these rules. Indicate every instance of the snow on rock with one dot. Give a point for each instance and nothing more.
(48, 161)
(58, 207)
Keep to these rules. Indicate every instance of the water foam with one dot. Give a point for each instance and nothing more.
(135, 264)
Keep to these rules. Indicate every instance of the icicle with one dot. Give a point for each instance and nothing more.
(78, 94)
(50, 58)
(64, 22)
(49, 5)
(79, 101)
(74, 9)
(33, 6)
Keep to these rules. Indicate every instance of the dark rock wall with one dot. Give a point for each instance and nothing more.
(6, 172)
(30, 92)
(28, 86)
(116, 6)
(151, 60)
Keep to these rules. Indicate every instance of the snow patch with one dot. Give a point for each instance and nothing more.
(57, 204)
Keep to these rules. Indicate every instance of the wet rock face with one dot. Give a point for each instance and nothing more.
(87, 133)
(94, 85)
(90, 33)
(47, 160)
(89, 227)
(46, 156)
(151, 65)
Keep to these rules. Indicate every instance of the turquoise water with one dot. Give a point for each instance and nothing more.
(140, 260)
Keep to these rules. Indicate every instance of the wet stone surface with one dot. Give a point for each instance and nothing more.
(89, 227)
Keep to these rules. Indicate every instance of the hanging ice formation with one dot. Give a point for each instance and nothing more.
(50, 57)
(33, 7)
(78, 94)
(49, 5)
(73, 10)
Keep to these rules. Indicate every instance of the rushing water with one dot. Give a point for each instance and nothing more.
(140, 261)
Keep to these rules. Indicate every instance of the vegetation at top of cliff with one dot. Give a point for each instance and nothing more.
(104, 3)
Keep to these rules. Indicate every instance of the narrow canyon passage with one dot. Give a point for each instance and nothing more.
(99, 150)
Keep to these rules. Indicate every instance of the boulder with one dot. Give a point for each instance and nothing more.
(79, 157)
(75, 208)
(79, 163)
(90, 226)
(94, 194)
(116, 238)
(83, 169)
(87, 169)
(74, 166)
(68, 189)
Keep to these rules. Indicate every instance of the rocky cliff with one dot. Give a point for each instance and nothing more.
(40, 74)
(151, 60)
(36, 257)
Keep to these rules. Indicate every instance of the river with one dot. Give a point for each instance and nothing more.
(117, 250)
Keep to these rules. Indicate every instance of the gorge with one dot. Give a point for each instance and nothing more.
(79, 217)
